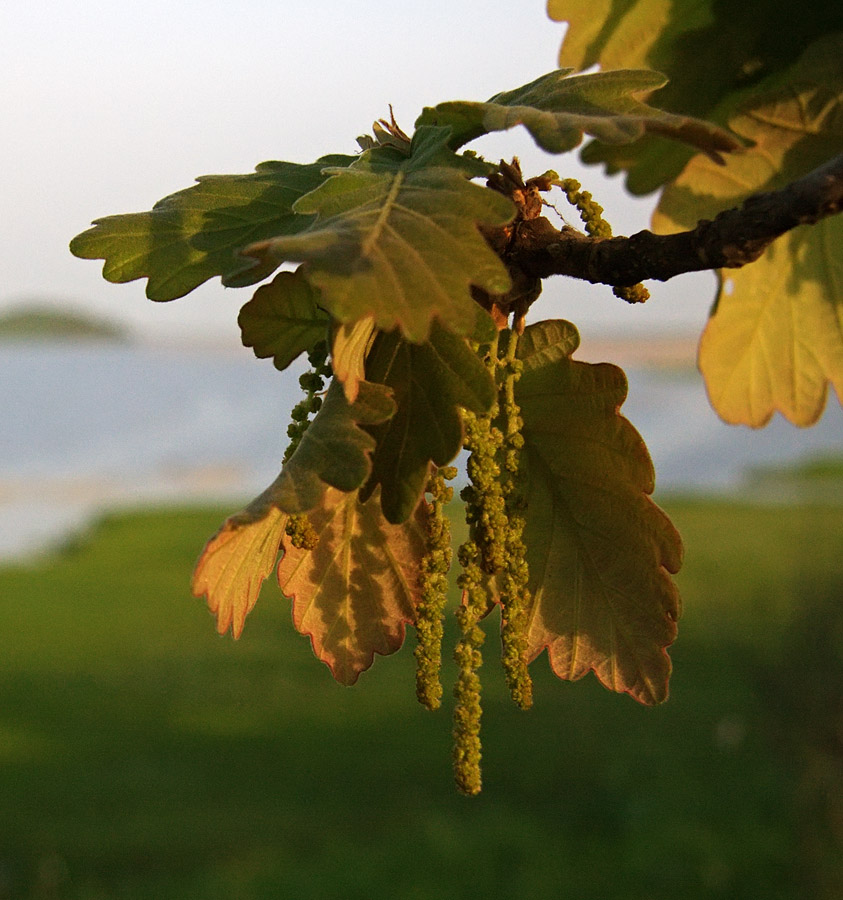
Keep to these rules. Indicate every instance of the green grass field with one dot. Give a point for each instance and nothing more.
(144, 756)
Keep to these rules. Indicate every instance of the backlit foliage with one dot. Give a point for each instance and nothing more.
(411, 299)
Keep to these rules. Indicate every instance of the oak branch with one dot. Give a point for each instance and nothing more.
(734, 238)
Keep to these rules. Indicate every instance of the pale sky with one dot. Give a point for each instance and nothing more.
(108, 106)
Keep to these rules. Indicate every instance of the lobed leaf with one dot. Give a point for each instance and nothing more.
(559, 108)
(599, 550)
(234, 564)
(775, 339)
(354, 594)
(333, 455)
(794, 123)
(335, 451)
(283, 319)
(715, 54)
(429, 382)
(430, 148)
(396, 239)
(198, 233)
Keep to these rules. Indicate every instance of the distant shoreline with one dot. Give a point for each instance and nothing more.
(43, 322)
(669, 351)
(35, 322)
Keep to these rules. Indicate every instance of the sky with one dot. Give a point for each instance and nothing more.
(108, 106)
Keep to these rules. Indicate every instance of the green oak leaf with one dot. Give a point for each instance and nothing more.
(775, 339)
(396, 239)
(283, 319)
(198, 233)
(335, 451)
(559, 108)
(599, 550)
(429, 382)
(430, 148)
(716, 55)
(355, 592)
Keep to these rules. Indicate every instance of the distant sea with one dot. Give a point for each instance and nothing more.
(89, 427)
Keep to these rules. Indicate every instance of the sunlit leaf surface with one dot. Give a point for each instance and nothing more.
(396, 239)
(198, 233)
(715, 55)
(354, 594)
(559, 108)
(599, 550)
(235, 563)
(348, 354)
(775, 340)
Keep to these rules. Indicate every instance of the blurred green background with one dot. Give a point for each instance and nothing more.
(144, 756)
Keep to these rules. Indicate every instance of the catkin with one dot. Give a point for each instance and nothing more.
(298, 528)
(469, 658)
(591, 214)
(479, 556)
(513, 579)
(495, 512)
(434, 590)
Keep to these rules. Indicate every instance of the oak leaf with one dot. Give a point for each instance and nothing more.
(599, 550)
(234, 565)
(716, 55)
(349, 346)
(195, 234)
(335, 451)
(333, 456)
(283, 319)
(775, 338)
(430, 382)
(358, 589)
(559, 108)
(396, 239)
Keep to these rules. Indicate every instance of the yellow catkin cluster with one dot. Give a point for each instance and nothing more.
(479, 556)
(493, 554)
(591, 214)
(632, 293)
(301, 532)
(299, 529)
(513, 578)
(434, 590)
(469, 659)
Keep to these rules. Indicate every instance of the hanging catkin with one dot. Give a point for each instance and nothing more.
(434, 593)
(298, 528)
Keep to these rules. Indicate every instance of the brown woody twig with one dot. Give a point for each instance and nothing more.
(732, 239)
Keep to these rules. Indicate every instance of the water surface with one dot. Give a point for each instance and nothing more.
(88, 427)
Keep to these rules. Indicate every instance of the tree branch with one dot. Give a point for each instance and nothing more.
(734, 238)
